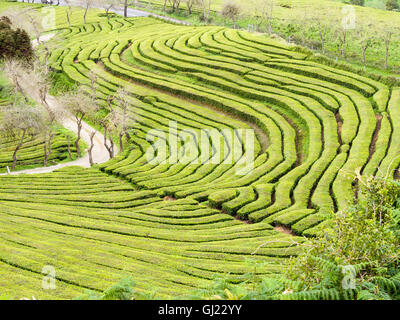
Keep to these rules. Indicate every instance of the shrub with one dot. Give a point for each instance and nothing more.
(392, 5)
(356, 257)
(123, 290)
(364, 240)
(14, 43)
(358, 2)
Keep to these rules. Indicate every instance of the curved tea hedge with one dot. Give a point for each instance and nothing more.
(174, 225)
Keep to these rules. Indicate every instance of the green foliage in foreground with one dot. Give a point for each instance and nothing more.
(123, 290)
(355, 258)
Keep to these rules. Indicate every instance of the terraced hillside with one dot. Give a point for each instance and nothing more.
(315, 125)
(170, 224)
(94, 228)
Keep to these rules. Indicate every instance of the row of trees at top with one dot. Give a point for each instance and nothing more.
(261, 13)
(30, 77)
(329, 30)
(391, 5)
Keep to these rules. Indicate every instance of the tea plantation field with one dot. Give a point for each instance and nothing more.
(173, 226)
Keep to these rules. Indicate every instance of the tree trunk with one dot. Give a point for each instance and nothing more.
(121, 144)
(386, 54)
(322, 37)
(110, 148)
(92, 134)
(84, 15)
(111, 145)
(69, 147)
(19, 89)
(47, 148)
(125, 8)
(78, 148)
(69, 21)
(17, 148)
(45, 153)
(363, 54)
(344, 46)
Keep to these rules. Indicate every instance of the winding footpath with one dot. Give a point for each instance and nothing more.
(99, 153)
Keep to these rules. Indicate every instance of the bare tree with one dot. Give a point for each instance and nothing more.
(107, 5)
(266, 11)
(93, 87)
(87, 4)
(26, 19)
(90, 150)
(15, 72)
(18, 121)
(117, 121)
(323, 28)
(107, 127)
(252, 10)
(175, 5)
(388, 32)
(231, 10)
(48, 134)
(68, 11)
(190, 4)
(123, 103)
(125, 8)
(341, 38)
(36, 81)
(366, 39)
(302, 21)
(79, 105)
(114, 122)
(261, 12)
(69, 147)
(206, 6)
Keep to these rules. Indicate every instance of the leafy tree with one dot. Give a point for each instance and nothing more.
(356, 257)
(14, 43)
(392, 5)
(358, 2)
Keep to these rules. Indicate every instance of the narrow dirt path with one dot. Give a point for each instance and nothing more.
(99, 153)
